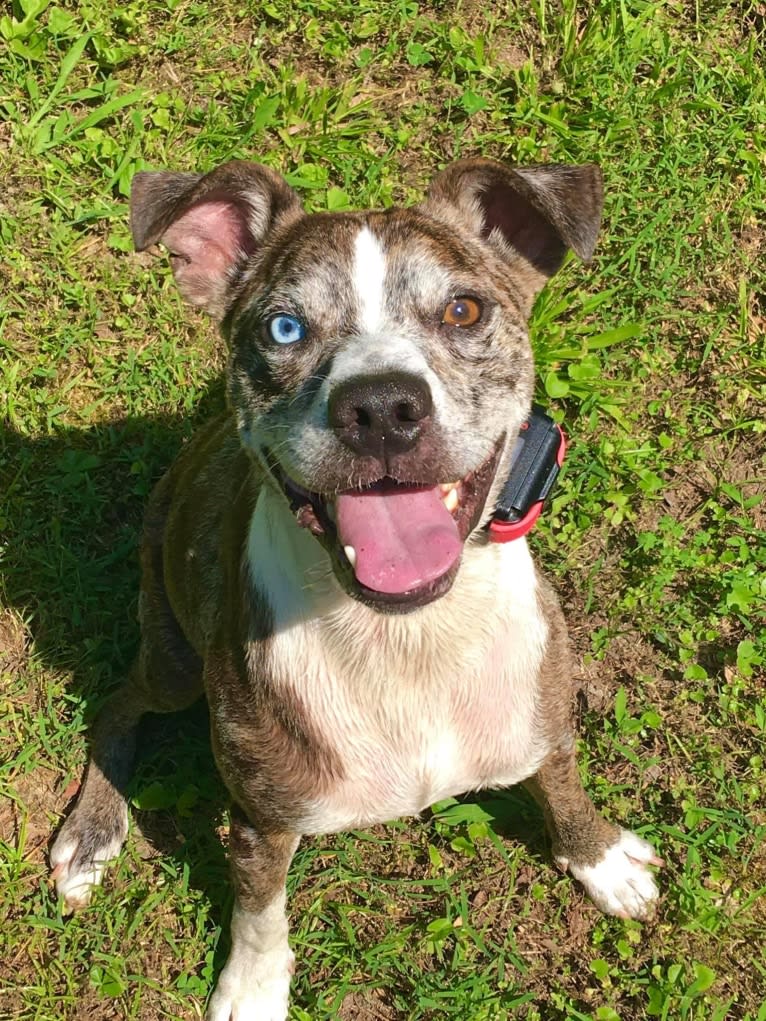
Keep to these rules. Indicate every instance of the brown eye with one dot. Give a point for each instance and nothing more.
(462, 312)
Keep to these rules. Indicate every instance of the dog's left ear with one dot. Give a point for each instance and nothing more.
(531, 214)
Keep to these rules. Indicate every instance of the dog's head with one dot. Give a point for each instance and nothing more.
(380, 367)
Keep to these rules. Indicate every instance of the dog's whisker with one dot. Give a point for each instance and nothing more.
(300, 395)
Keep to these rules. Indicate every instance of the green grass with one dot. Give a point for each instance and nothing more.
(654, 357)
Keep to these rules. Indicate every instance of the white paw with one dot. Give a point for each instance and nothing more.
(79, 857)
(235, 1000)
(620, 883)
(255, 983)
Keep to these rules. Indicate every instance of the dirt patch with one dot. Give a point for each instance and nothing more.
(508, 50)
(37, 792)
(723, 468)
(14, 641)
(366, 1006)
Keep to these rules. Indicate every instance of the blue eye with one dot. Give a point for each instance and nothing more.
(286, 329)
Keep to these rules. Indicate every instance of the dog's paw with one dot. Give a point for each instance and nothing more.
(255, 982)
(80, 853)
(236, 1000)
(621, 883)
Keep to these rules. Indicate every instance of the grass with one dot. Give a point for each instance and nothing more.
(654, 357)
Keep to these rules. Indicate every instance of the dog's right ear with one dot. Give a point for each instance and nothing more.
(210, 223)
(530, 216)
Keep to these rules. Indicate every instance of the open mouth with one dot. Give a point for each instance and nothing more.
(395, 544)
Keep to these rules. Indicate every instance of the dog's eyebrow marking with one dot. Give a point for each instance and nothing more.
(369, 274)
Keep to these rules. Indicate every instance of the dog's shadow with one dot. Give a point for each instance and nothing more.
(71, 506)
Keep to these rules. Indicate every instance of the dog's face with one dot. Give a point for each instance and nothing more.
(380, 366)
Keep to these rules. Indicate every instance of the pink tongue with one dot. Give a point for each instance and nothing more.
(404, 536)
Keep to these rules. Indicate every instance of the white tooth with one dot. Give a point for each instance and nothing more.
(330, 511)
(350, 555)
(451, 500)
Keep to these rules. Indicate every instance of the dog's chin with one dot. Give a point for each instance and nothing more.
(328, 517)
(391, 603)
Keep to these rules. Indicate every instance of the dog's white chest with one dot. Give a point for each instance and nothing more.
(426, 706)
(399, 759)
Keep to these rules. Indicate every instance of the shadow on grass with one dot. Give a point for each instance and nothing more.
(512, 813)
(71, 512)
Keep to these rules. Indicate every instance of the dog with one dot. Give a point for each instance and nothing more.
(317, 560)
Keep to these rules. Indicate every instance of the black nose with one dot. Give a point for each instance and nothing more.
(381, 414)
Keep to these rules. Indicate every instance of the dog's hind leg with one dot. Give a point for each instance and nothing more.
(255, 983)
(610, 862)
(167, 676)
(96, 829)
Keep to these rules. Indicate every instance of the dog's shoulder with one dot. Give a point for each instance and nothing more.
(197, 519)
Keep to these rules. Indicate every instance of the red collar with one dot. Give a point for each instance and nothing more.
(534, 469)
(507, 531)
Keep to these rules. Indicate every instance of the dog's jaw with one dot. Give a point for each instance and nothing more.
(394, 545)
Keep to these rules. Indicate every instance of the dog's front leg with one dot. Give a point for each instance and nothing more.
(255, 983)
(610, 862)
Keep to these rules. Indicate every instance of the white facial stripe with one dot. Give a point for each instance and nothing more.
(369, 278)
(377, 353)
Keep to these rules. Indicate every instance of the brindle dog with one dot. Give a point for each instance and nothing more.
(317, 560)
